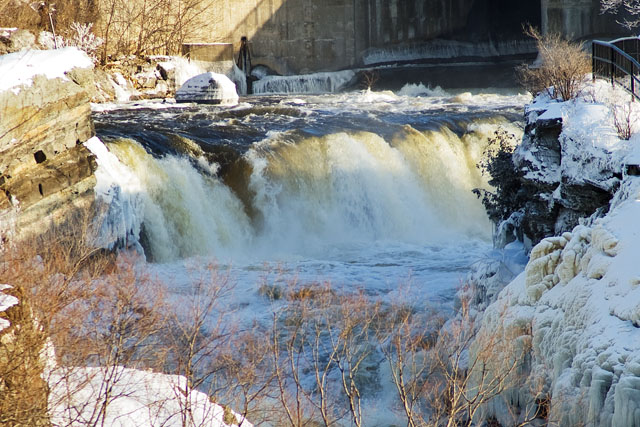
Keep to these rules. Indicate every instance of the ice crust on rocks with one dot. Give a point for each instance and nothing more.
(578, 300)
(212, 88)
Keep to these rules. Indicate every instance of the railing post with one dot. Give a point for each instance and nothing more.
(612, 68)
(633, 86)
(593, 61)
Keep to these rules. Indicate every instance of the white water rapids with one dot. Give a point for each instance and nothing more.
(366, 190)
(315, 194)
(354, 206)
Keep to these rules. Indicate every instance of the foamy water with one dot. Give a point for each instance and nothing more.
(367, 189)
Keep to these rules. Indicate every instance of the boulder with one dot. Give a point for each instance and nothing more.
(208, 88)
(95, 82)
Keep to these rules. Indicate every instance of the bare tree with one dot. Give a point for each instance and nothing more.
(562, 70)
(200, 339)
(623, 119)
(472, 368)
(631, 7)
(405, 339)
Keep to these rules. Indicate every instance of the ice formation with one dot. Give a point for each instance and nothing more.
(578, 300)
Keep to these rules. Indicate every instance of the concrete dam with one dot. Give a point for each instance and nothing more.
(302, 36)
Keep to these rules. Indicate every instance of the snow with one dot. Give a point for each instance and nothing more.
(578, 300)
(20, 68)
(6, 302)
(140, 398)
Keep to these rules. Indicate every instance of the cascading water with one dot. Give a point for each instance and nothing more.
(310, 184)
(309, 83)
(366, 190)
(310, 193)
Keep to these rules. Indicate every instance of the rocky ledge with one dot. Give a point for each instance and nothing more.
(562, 179)
(570, 322)
(45, 170)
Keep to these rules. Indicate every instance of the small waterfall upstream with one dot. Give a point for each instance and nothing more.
(307, 83)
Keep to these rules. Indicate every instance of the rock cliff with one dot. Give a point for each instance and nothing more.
(562, 179)
(45, 171)
(576, 305)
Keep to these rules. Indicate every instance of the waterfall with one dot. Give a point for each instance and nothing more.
(299, 194)
(446, 49)
(306, 83)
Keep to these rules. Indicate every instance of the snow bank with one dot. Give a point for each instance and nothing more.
(578, 300)
(19, 68)
(142, 398)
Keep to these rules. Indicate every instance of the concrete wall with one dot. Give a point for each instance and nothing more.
(579, 19)
(300, 36)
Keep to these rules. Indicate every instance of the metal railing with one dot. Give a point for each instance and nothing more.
(619, 62)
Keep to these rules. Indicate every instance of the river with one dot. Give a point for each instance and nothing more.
(364, 190)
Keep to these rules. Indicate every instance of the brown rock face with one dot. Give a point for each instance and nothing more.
(44, 168)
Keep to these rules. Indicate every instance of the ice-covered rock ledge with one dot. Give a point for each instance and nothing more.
(578, 300)
(570, 162)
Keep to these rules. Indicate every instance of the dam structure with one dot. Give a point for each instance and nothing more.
(304, 36)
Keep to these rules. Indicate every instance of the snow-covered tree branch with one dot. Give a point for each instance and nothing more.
(628, 7)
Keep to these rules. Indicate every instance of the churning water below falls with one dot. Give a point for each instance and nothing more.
(368, 190)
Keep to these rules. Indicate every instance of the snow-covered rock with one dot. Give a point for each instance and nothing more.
(44, 172)
(19, 68)
(208, 88)
(578, 300)
(570, 162)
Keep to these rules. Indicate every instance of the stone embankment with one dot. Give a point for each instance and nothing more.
(45, 171)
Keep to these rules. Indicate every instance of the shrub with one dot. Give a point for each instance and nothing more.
(505, 199)
(562, 69)
(623, 119)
